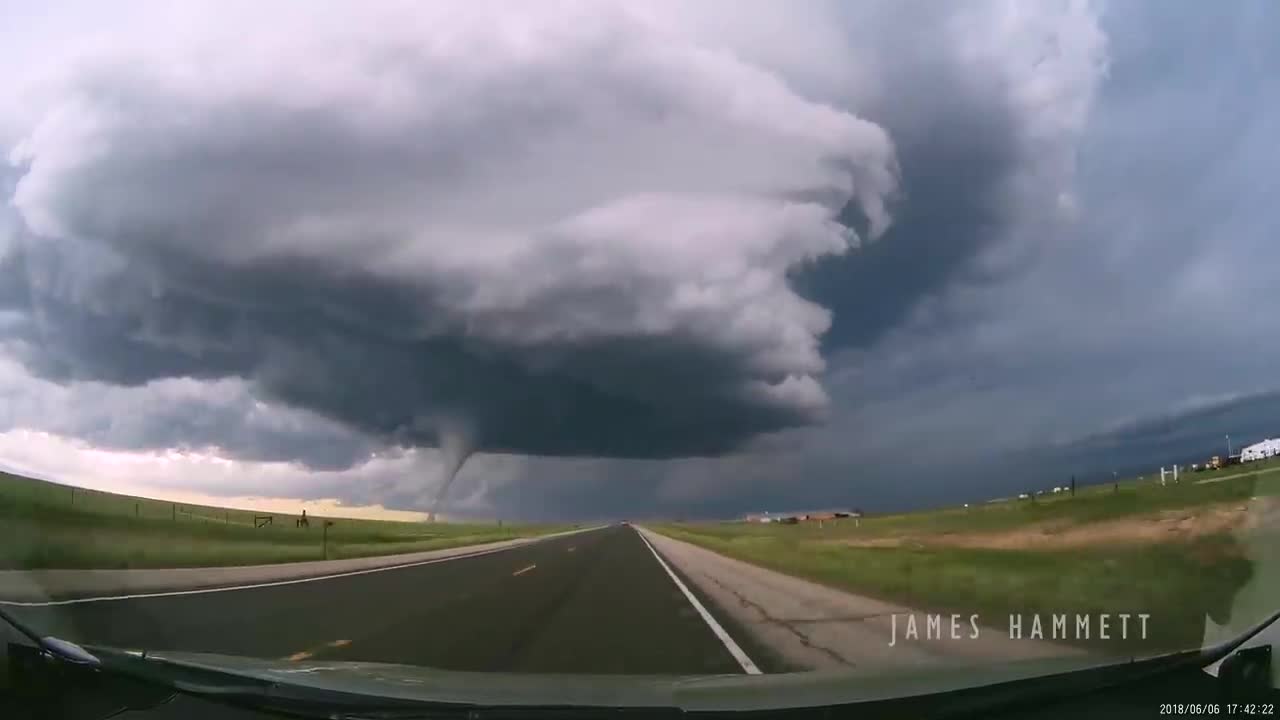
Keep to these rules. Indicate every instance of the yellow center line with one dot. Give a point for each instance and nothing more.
(339, 643)
(299, 656)
(522, 571)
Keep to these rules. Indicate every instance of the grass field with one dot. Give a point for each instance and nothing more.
(1179, 552)
(46, 525)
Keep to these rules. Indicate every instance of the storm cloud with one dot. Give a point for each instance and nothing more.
(727, 259)
(549, 232)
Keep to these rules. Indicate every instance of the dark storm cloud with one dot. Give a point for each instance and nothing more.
(1182, 435)
(353, 356)
(582, 252)
(958, 146)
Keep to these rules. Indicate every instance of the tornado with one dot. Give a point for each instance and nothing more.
(456, 445)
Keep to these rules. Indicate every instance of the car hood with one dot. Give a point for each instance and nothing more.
(211, 674)
(314, 688)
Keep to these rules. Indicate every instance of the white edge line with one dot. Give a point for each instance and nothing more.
(291, 581)
(748, 666)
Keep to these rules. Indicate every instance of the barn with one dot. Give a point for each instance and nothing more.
(1261, 450)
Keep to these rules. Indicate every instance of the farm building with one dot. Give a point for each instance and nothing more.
(794, 517)
(1257, 451)
(823, 514)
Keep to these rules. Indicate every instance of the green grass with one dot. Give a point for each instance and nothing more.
(46, 525)
(1093, 504)
(1179, 582)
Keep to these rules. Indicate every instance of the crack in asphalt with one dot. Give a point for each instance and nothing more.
(842, 618)
(785, 624)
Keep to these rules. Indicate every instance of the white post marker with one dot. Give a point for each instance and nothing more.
(748, 666)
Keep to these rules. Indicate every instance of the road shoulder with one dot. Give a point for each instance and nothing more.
(813, 627)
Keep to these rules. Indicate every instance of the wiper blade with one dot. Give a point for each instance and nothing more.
(55, 648)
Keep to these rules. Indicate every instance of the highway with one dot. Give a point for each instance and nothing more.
(598, 601)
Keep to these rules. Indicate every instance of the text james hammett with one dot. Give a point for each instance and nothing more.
(1061, 626)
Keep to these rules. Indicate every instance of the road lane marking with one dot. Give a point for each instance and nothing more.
(339, 643)
(277, 583)
(571, 548)
(299, 656)
(748, 666)
(522, 571)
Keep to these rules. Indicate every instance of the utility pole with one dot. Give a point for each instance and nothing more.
(1228, 448)
(1073, 486)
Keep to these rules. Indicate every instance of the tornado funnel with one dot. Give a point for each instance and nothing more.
(455, 447)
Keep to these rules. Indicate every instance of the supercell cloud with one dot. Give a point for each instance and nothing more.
(803, 235)
(542, 232)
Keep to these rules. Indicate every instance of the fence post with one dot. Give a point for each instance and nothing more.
(73, 497)
(135, 509)
(174, 511)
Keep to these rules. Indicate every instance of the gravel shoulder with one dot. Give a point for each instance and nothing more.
(815, 627)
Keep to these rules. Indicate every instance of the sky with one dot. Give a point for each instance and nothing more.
(632, 260)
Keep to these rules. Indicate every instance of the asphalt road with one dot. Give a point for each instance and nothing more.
(592, 602)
